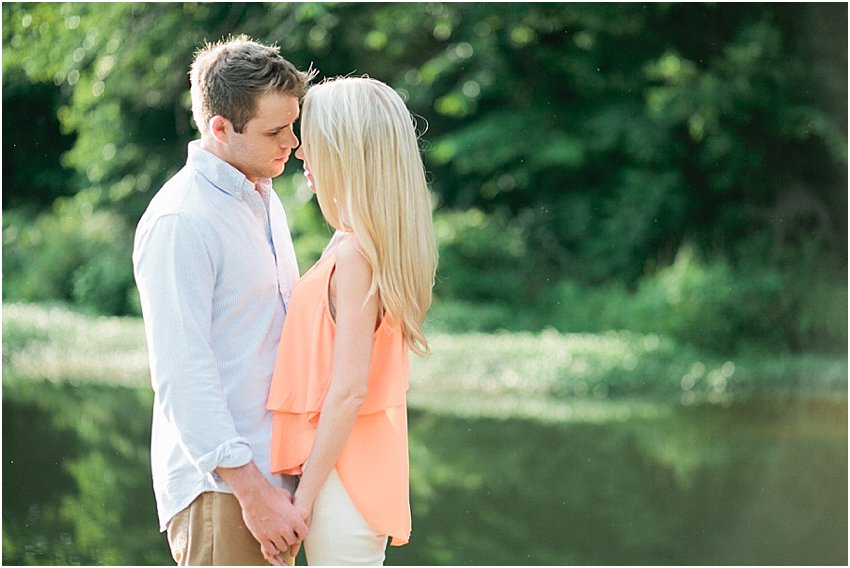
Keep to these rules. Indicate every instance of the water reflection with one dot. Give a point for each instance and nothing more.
(763, 482)
(757, 483)
(76, 476)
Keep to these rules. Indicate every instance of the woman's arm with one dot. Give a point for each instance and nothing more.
(356, 315)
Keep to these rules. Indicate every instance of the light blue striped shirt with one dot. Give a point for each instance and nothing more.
(215, 266)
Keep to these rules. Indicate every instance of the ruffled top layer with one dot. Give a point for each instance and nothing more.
(373, 465)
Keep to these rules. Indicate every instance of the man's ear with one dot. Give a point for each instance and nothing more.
(218, 127)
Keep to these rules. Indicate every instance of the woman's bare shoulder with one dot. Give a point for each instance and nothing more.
(352, 267)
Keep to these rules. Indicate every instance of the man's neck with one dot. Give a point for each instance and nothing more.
(216, 149)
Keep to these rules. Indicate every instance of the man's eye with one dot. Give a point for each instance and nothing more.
(278, 131)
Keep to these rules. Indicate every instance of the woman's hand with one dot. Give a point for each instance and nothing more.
(305, 509)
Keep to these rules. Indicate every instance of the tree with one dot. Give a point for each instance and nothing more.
(600, 137)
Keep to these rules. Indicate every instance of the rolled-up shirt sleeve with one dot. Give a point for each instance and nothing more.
(175, 272)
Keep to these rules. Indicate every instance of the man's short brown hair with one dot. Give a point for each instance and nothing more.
(227, 77)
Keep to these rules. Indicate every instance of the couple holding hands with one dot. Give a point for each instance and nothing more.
(279, 416)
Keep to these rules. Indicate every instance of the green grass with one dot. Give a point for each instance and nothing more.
(56, 343)
(549, 375)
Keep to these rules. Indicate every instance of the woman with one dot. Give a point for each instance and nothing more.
(339, 387)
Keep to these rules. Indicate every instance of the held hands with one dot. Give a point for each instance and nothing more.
(303, 508)
(274, 522)
(268, 511)
(305, 512)
(274, 554)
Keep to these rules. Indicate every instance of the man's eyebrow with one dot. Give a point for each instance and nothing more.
(282, 126)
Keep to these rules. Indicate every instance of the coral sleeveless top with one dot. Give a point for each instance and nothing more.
(373, 465)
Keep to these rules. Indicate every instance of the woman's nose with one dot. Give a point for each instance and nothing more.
(299, 153)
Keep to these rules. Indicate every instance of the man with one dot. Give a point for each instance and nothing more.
(214, 265)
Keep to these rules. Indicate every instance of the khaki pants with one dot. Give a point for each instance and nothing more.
(211, 532)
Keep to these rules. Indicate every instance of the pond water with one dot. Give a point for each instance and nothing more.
(757, 482)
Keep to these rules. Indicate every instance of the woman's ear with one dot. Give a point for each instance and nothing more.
(218, 128)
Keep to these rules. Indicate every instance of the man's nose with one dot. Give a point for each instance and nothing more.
(290, 141)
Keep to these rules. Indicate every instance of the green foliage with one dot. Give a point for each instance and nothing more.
(817, 293)
(482, 258)
(458, 316)
(33, 174)
(75, 253)
(574, 152)
(590, 106)
(710, 306)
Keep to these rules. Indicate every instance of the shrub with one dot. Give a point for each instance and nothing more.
(708, 304)
(711, 306)
(572, 307)
(483, 258)
(72, 254)
(458, 316)
(817, 290)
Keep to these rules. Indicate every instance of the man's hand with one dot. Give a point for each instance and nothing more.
(273, 521)
(267, 511)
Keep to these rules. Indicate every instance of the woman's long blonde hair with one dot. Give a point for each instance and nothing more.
(370, 180)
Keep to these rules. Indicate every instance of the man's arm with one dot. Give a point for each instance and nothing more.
(175, 274)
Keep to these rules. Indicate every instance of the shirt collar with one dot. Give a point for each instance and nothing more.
(221, 174)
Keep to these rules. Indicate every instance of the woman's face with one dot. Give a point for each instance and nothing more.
(329, 210)
(303, 154)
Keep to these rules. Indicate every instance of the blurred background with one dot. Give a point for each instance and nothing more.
(640, 316)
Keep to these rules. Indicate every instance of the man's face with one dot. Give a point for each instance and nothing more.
(263, 147)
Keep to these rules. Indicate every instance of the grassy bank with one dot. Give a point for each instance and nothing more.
(547, 375)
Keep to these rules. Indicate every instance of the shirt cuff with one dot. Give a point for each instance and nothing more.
(233, 453)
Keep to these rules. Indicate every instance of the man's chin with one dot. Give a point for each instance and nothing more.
(276, 172)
